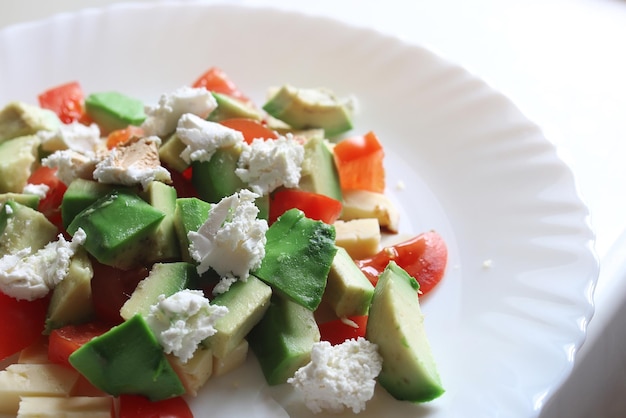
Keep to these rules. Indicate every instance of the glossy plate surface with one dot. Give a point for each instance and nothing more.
(511, 312)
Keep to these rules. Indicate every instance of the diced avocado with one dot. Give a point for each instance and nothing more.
(22, 227)
(247, 302)
(298, 255)
(80, 194)
(283, 340)
(319, 171)
(189, 215)
(303, 108)
(216, 178)
(196, 371)
(228, 107)
(234, 359)
(112, 110)
(128, 359)
(164, 279)
(118, 225)
(17, 157)
(30, 200)
(396, 325)
(169, 153)
(163, 240)
(71, 301)
(21, 119)
(348, 291)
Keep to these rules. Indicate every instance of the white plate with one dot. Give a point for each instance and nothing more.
(512, 310)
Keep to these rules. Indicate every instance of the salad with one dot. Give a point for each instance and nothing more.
(146, 248)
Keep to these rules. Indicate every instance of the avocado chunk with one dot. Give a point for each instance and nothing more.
(348, 291)
(304, 108)
(21, 119)
(247, 302)
(396, 324)
(228, 107)
(169, 153)
(319, 170)
(283, 340)
(163, 240)
(128, 359)
(22, 227)
(112, 110)
(80, 194)
(118, 226)
(164, 279)
(17, 157)
(71, 301)
(298, 255)
(30, 200)
(189, 215)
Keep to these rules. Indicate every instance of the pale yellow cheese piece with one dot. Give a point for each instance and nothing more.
(360, 237)
(20, 380)
(359, 204)
(233, 360)
(196, 371)
(75, 407)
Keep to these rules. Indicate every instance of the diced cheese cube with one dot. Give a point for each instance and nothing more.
(195, 372)
(360, 237)
(231, 361)
(74, 407)
(20, 380)
(358, 204)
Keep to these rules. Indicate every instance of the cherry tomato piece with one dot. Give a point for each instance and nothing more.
(250, 128)
(339, 330)
(359, 162)
(315, 206)
(65, 340)
(66, 100)
(135, 406)
(22, 323)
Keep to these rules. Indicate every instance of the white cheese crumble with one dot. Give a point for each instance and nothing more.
(30, 276)
(40, 190)
(232, 240)
(268, 164)
(75, 136)
(161, 119)
(202, 137)
(339, 376)
(71, 164)
(134, 162)
(183, 320)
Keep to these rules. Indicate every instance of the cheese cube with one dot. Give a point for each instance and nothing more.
(75, 407)
(359, 237)
(359, 204)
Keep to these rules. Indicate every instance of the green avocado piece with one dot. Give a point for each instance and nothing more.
(164, 279)
(396, 325)
(164, 241)
(247, 301)
(189, 215)
(169, 153)
(303, 108)
(283, 340)
(348, 291)
(80, 194)
(21, 119)
(71, 301)
(228, 107)
(17, 157)
(298, 255)
(30, 200)
(22, 227)
(118, 226)
(128, 359)
(112, 110)
(319, 170)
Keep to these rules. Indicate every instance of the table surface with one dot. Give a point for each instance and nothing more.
(562, 63)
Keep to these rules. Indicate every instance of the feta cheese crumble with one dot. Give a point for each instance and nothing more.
(161, 119)
(30, 276)
(75, 136)
(134, 162)
(71, 164)
(183, 320)
(339, 376)
(40, 190)
(267, 164)
(232, 240)
(202, 137)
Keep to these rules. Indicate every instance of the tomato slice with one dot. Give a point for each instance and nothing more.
(424, 257)
(135, 406)
(66, 100)
(50, 205)
(65, 340)
(339, 330)
(315, 206)
(119, 136)
(250, 128)
(22, 323)
(215, 79)
(111, 287)
(359, 162)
